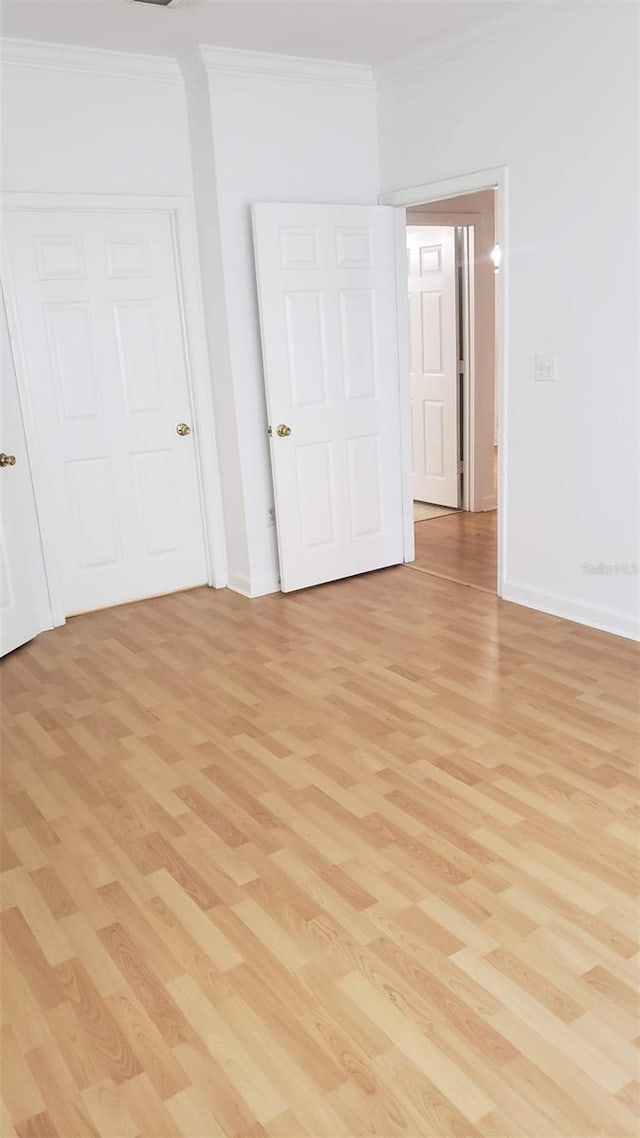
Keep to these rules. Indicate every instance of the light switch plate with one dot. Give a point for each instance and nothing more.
(545, 367)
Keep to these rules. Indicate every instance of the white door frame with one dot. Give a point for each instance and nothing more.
(468, 353)
(185, 250)
(494, 179)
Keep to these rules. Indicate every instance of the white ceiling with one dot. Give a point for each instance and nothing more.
(358, 31)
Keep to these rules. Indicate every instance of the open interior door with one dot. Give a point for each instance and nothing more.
(24, 599)
(328, 310)
(434, 364)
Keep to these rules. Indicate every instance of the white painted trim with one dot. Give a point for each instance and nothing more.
(469, 380)
(605, 619)
(48, 200)
(449, 47)
(180, 212)
(453, 187)
(135, 65)
(494, 179)
(89, 60)
(266, 65)
(404, 384)
(251, 588)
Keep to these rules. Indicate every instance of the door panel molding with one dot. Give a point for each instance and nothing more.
(326, 276)
(179, 211)
(432, 288)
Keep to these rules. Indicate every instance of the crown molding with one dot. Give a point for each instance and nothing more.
(265, 65)
(510, 22)
(88, 60)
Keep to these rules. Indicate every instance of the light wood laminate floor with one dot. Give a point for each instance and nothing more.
(359, 861)
(460, 546)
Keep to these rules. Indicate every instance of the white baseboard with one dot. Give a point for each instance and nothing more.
(616, 622)
(260, 587)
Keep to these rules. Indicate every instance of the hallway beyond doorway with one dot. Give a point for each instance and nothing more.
(461, 547)
(425, 511)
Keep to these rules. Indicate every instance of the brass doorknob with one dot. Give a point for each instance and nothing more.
(7, 459)
(183, 429)
(283, 431)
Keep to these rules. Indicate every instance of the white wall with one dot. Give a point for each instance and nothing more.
(276, 138)
(557, 103)
(74, 131)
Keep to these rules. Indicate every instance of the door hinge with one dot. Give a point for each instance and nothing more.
(270, 432)
(460, 367)
(461, 468)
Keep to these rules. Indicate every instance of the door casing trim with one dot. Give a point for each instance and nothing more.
(187, 268)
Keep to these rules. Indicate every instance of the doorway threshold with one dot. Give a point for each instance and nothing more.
(454, 580)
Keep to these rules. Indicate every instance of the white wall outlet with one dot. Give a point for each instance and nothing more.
(271, 516)
(546, 367)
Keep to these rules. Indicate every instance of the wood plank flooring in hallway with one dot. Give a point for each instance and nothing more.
(461, 547)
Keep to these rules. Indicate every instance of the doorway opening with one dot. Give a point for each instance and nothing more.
(453, 261)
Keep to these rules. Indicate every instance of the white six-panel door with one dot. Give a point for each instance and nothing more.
(24, 601)
(98, 314)
(327, 292)
(434, 364)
